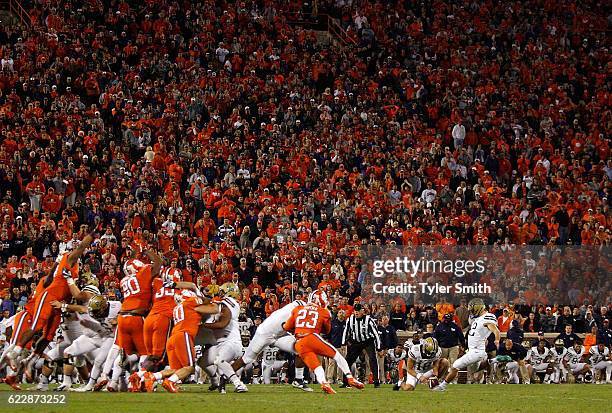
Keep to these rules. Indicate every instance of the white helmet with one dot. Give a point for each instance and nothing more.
(183, 295)
(132, 266)
(318, 297)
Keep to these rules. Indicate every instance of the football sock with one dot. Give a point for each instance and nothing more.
(341, 362)
(110, 360)
(174, 378)
(212, 373)
(320, 375)
(67, 380)
(17, 350)
(443, 384)
(158, 376)
(299, 373)
(42, 379)
(226, 369)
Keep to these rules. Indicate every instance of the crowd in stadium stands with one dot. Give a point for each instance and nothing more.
(245, 151)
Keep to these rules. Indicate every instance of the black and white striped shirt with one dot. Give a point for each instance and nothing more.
(360, 330)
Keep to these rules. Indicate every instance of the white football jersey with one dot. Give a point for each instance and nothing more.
(273, 325)
(245, 327)
(422, 364)
(479, 332)
(395, 358)
(231, 332)
(269, 355)
(558, 355)
(535, 357)
(574, 357)
(101, 328)
(597, 356)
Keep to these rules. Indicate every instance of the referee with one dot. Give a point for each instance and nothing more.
(361, 333)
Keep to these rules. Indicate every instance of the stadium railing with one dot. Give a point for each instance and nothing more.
(323, 22)
(16, 9)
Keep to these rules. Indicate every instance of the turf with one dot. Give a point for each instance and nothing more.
(281, 399)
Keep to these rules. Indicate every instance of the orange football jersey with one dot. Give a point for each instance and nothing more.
(309, 319)
(29, 306)
(137, 289)
(186, 319)
(163, 299)
(58, 289)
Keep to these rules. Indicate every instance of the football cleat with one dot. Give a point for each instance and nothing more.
(241, 388)
(100, 385)
(438, 388)
(82, 389)
(149, 382)
(170, 386)
(327, 388)
(301, 385)
(213, 387)
(134, 381)
(12, 381)
(353, 382)
(62, 387)
(40, 387)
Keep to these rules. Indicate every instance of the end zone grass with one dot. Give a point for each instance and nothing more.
(285, 399)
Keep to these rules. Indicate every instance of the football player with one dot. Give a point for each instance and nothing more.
(423, 362)
(98, 320)
(600, 361)
(187, 316)
(539, 362)
(270, 363)
(137, 289)
(216, 359)
(71, 331)
(157, 324)
(573, 361)
(307, 322)
(396, 357)
(558, 353)
(271, 333)
(483, 324)
(55, 287)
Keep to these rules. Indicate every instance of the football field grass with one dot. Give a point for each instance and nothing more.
(283, 398)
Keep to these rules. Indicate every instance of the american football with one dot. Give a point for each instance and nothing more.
(316, 205)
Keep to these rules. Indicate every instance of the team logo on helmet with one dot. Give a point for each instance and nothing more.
(230, 290)
(318, 297)
(476, 306)
(183, 295)
(132, 266)
(429, 347)
(98, 306)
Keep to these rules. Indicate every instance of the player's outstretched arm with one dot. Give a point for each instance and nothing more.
(180, 285)
(80, 249)
(206, 309)
(73, 308)
(76, 292)
(223, 321)
(156, 262)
